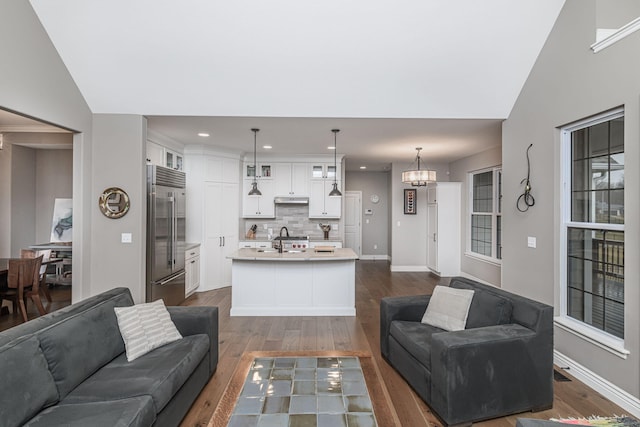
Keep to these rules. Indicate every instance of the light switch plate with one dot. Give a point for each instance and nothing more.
(531, 242)
(125, 238)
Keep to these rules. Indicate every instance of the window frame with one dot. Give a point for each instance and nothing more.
(496, 212)
(590, 333)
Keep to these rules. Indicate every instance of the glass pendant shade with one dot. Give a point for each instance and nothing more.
(335, 192)
(418, 177)
(254, 185)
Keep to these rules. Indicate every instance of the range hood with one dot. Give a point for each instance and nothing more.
(291, 200)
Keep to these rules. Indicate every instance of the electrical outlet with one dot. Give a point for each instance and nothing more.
(375, 246)
(265, 226)
(125, 238)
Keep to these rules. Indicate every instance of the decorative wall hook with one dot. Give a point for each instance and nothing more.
(526, 200)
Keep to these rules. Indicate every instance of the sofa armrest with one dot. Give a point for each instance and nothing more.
(199, 320)
(410, 308)
(495, 370)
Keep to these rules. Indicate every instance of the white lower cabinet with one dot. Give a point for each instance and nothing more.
(259, 244)
(192, 270)
(443, 228)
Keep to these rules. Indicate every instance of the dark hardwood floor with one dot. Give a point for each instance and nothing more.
(360, 333)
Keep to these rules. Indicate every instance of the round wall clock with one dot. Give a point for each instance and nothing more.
(375, 198)
(114, 203)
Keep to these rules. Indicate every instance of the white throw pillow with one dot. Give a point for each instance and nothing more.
(448, 308)
(145, 327)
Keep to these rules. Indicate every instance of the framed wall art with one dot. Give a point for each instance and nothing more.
(410, 195)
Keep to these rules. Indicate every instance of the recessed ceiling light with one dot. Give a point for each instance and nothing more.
(203, 134)
(363, 167)
(331, 148)
(267, 147)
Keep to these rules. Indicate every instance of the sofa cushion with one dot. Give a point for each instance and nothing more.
(79, 345)
(448, 308)
(132, 412)
(27, 384)
(159, 373)
(415, 337)
(488, 309)
(144, 327)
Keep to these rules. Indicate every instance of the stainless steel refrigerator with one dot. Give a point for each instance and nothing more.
(165, 234)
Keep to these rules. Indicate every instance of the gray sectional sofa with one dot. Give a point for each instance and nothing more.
(69, 368)
(500, 364)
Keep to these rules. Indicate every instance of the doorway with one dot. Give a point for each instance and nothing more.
(36, 169)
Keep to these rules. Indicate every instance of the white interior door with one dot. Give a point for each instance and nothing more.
(432, 236)
(352, 221)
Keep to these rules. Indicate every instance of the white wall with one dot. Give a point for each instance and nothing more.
(569, 82)
(376, 232)
(23, 207)
(479, 269)
(408, 240)
(119, 159)
(54, 180)
(38, 84)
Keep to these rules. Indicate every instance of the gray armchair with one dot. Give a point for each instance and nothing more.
(501, 364)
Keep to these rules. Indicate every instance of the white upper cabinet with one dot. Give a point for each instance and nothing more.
(324, 171)
(291, 179)
(321, 205)
(155, 154)
(265, 171)
(258, 206)
(221, 169)
(162, 156)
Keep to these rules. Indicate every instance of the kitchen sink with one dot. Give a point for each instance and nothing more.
(267, 250)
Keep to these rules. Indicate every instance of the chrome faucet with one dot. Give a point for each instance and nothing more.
(280, 247)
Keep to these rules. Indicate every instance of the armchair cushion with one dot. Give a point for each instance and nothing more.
(448, 308)
(416, 338)
(488, 309)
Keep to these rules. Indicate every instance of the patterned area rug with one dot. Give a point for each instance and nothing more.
(622, 421)
(300, 389)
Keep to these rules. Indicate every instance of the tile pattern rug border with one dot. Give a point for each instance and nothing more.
(384, 411)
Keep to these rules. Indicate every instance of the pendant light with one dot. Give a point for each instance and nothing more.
(254, 185)
(335, 192)
(418, 177)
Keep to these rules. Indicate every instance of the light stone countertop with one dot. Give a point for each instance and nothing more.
(252, 254)
(188, 246)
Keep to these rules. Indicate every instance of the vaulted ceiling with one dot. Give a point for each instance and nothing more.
(391, 75)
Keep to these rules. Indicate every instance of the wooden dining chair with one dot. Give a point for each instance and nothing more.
(46, 256)
(23, 279)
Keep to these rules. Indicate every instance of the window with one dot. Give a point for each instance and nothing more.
(593, 223)
(485, 236)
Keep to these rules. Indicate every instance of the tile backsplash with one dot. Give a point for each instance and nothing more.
(296, 219)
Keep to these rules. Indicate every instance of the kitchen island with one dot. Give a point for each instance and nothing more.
(294, 283)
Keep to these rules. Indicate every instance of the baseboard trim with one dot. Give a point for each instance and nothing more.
(409, 268)
(376, 257)
(609, 390)
(472, 277)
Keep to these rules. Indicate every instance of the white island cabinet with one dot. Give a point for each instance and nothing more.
(300, 283)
